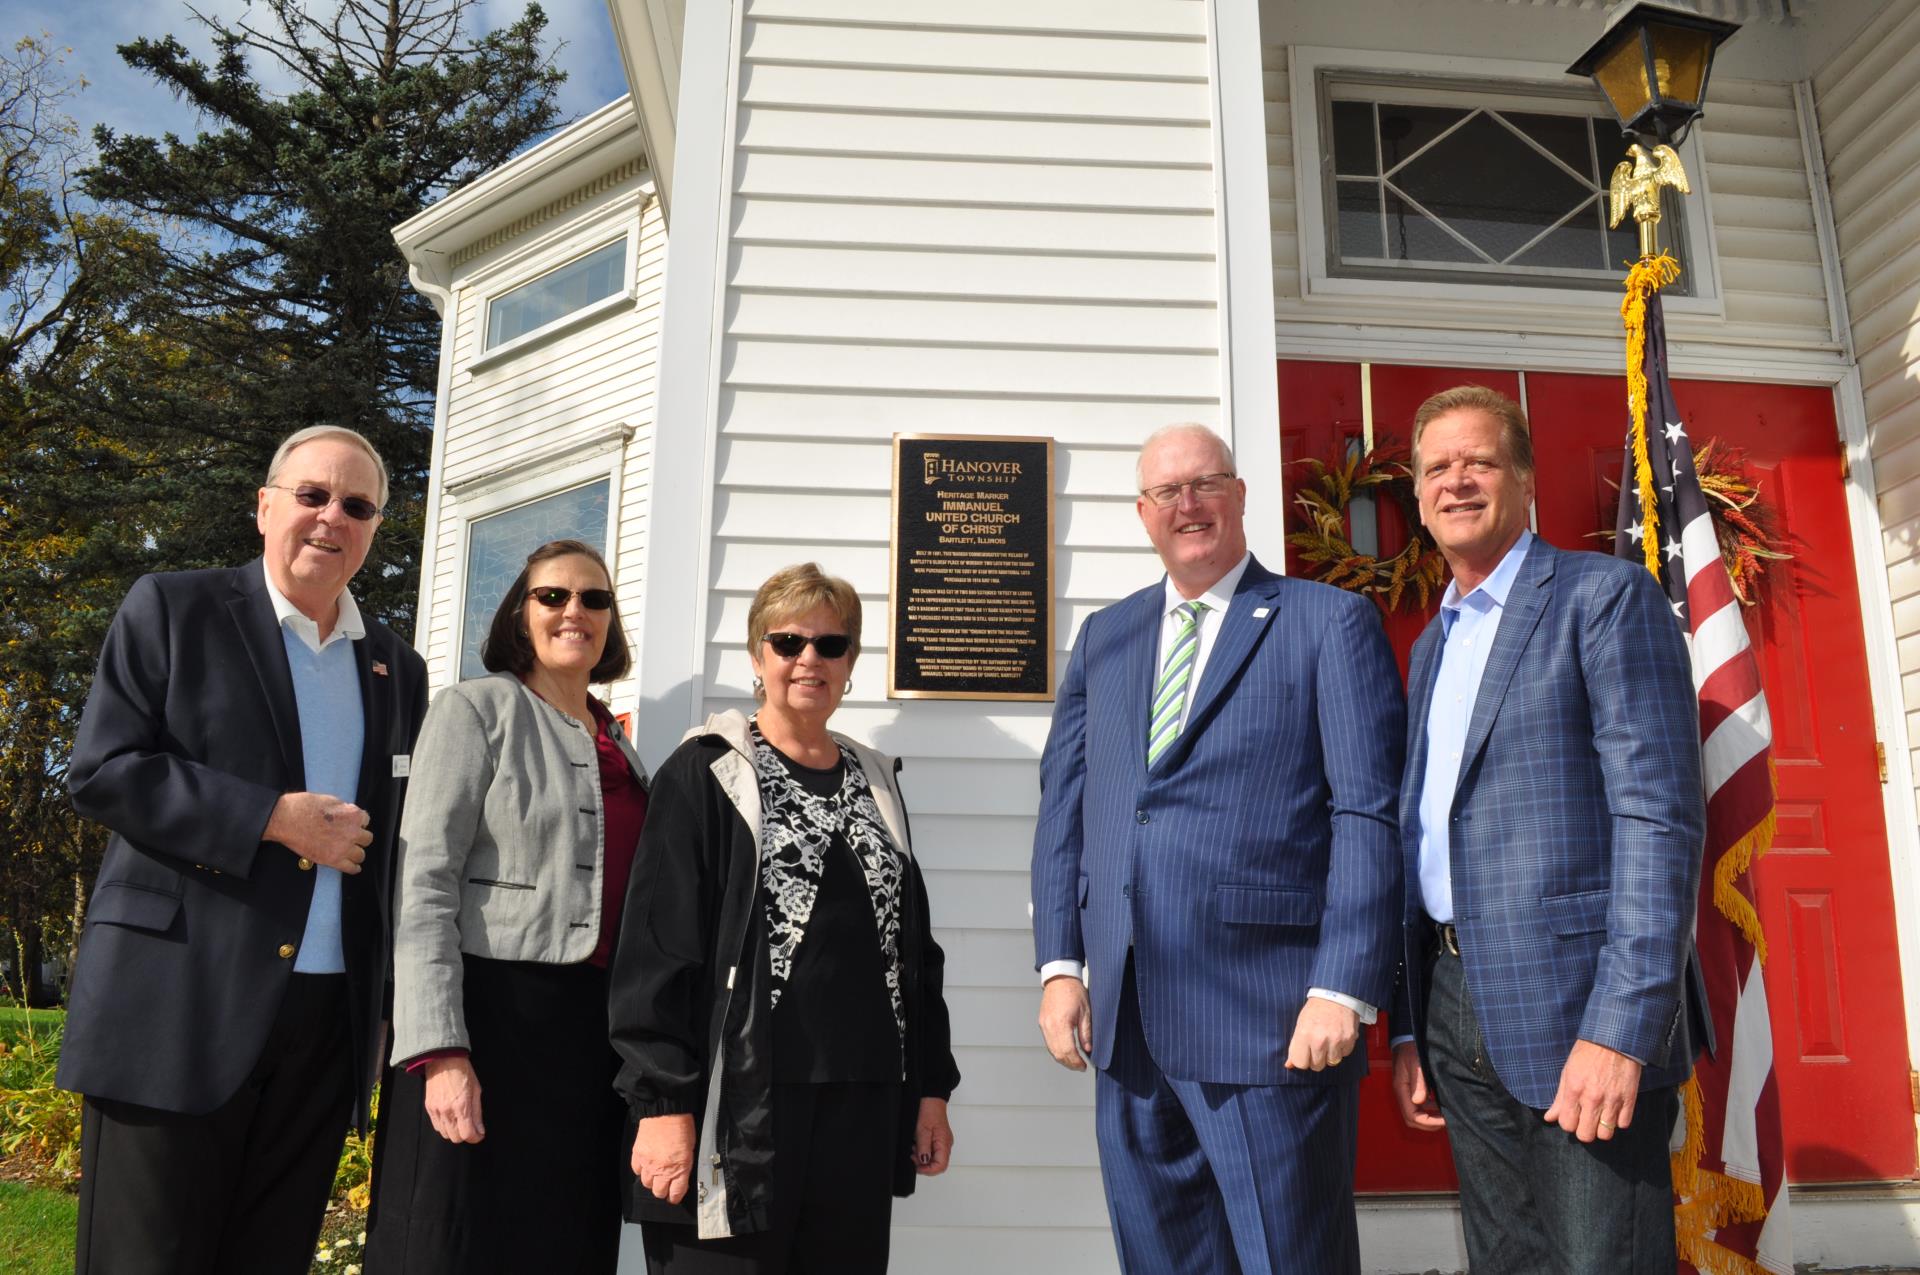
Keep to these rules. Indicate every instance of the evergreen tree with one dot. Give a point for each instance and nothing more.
(285, 290)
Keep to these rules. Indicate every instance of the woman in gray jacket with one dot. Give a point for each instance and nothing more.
(499, 1146)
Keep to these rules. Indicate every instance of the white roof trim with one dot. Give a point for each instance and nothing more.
(572, 157)
(649, 34)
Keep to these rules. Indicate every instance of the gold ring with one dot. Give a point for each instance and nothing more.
(1605, 1125)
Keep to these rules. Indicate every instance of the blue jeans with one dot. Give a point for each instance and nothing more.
(1534, 1198)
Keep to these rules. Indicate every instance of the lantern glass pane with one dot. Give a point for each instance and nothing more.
(1622, 76)
(1680, 59)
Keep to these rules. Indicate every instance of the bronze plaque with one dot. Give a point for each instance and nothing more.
(972, 584)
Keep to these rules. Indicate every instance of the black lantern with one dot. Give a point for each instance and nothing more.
(1652, 64)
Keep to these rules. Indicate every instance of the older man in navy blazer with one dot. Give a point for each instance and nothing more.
(246, 741)
(1552, 823)
(1216, 852)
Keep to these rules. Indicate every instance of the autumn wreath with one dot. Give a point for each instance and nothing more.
(1324, 543)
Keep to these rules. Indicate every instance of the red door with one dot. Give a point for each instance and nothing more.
(1826, 898)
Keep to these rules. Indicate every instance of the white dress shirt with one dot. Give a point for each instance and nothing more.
(348, 626)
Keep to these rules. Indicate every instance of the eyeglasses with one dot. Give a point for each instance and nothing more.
(1205, 487)
(312, 497)
(555, 597)
(789, 645)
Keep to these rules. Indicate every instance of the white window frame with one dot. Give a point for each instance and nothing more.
(512, 487)
(1512, 81)
(545, 265)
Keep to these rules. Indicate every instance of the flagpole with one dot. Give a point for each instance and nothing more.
(1730, 1206)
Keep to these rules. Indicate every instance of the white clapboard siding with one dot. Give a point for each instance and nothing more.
(1868, 97)
(980, 218)
(1771, 285)
(505, 417)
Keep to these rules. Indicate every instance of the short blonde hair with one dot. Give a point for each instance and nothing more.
(794, 591)
(340, 432)
(1515, 436)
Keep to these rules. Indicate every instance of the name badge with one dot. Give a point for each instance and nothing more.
(402, 765)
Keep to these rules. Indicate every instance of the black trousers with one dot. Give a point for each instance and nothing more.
(540, 1194)
(1534, 1199)
(240, 1190)
(833, 1159)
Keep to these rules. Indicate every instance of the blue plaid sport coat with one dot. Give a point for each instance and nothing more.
(1576, 829)
(1256, 858)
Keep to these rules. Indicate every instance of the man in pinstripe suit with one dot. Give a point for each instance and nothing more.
(1552, 830)
(1216, 852)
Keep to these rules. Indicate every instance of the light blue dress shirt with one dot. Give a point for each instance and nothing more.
(1468, 625)
(326, 693)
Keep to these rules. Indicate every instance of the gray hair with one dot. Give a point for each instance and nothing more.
(1168, 431)
(340, 432)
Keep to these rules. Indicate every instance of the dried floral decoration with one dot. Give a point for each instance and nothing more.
(1746, 527)
(1417, 571)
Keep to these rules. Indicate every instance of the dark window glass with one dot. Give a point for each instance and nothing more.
(1360, 220)
(1412, 236)
(1493, 188)
(1405, 129)
(1353, 148)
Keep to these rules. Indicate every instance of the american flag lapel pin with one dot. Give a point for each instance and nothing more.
(379, 668)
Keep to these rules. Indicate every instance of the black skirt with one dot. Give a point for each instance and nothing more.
(541, 1192)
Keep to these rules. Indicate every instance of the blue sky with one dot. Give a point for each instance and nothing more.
(89, 30)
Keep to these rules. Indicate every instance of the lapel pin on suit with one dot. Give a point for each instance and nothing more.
(379, 668)
(1260, 613)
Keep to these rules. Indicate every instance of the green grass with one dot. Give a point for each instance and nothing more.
(36, 1229)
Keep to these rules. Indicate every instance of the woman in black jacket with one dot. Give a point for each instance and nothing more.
(776, 999)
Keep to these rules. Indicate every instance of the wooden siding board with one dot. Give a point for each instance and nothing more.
(1011, 276)
(964, 182)
(909, 47)
(1100, 17)
(935, 227)
(989, 95)
(799, 130)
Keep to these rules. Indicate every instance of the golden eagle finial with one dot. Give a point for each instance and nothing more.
(1636, 185)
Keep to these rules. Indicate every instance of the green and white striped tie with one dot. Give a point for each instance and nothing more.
(1170, 692)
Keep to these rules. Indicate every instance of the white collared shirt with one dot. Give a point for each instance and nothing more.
(1216, 599)
(348, 626)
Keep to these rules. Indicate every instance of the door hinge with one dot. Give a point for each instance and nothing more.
(1880, 755)
(1846, 462)
(1913, 1089)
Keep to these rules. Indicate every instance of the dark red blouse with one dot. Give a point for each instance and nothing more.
(624, 802)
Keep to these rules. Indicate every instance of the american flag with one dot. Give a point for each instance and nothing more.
(1729, 1158)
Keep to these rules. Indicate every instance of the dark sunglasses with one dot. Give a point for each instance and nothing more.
(319, 498)
(789, 645)
(556, 597)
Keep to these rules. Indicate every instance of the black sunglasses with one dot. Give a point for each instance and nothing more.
(312, 497)
(554, 596)
(789, 645)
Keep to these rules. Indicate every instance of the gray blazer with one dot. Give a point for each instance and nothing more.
(501, 850)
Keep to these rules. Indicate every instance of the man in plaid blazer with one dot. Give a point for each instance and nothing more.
(1552, 826)
(1216, 849)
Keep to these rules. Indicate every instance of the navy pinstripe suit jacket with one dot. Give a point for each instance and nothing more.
(1257, 858)
(1577, 825)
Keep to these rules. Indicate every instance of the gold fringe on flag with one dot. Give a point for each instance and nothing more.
(1648, 276)
(1711, 1200)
